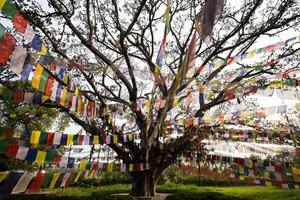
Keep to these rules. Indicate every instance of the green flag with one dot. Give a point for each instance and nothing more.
(43, 137)
(3, 147)
(43, 81)
(9, 9)
(50, 156)
(2, 30)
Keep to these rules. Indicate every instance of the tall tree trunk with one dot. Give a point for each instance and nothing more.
(143, 183)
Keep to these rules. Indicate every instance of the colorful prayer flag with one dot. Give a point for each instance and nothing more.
(7, 45)
(40, 157)
(9, 9)
(20, 23)
(35, 137)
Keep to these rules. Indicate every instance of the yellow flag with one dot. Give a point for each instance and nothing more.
(70, 139)
(82, 164)
(109, 167)
(91, 173)
(44, 98)
(251, 54)
(43, 50)
(115, 139)
(77, 177)
(63, 97)
(3, 175)
(79, 106)
(130, 137)
(148, 104)
(37, 76)
(175, 102)
(96, 139)
(2, 2)
(40, 157)
(105, 111)
(35, 137)
(54, 179)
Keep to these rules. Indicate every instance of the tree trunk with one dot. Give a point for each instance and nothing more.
(143, 183)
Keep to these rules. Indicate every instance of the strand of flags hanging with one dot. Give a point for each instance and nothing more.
(12, 149)
(12, 182)
(49, 138)
(54, 83)
(249, 170)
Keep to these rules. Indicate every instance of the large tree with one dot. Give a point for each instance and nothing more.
(116, 43)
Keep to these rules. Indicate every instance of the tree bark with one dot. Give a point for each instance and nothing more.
(143, 183)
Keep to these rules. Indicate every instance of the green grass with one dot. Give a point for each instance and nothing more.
(238, 192)
(179, 192)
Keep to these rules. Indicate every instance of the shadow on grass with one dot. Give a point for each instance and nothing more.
(92, 196)
(186, 195)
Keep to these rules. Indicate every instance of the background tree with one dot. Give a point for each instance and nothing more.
(116, 43)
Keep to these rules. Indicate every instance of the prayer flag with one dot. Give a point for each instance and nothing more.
(37, 183)
(20, 23)
(9, 183)
(40, 157)
(43, 137)
(18, 59)
(31, 155)
(57, 138)
(47, 180)
(54, 179)
(3, 175)
(43, 50)
(22, 153)
(2, 30)
(96, 139)
(27, 68)
(82, 164)
(65, 179)
(63, 140)
(29, 33)
(37, 76)
(211, 11)
(23, 183)
(63, 97)
(7, 45)
(9, 9)
(63, 162)
(43, 81)
(2, 2)
(35, 137)
(70, 139)
(50, 156)
(36, 43)
(12, 149)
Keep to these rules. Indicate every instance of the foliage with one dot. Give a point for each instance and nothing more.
(106, 178)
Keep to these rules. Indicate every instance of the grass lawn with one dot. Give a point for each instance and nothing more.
(179, 192)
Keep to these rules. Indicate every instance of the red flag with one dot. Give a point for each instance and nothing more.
(9, 132)
(20, 23)
(18, 96)
(7, 46)
(12, 149)
(56, 160)
(50, 138)
(80, 140)
(49, 86)
(37, 183)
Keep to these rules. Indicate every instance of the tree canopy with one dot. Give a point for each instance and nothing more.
(160, 83)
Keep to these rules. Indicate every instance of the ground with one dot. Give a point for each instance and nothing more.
(177, 192)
